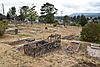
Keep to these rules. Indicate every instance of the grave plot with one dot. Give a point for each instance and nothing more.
(72, 48)
(71, 37)
(95, 46)
(39, 48)
(19, 42)
(36, 29)
(94, 50)
(11, 31)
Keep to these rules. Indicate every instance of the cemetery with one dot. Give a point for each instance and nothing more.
(49, 34)
(51, 45)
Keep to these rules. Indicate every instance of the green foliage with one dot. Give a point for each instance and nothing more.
(23, 12)
(74, 19)
(78, 18)
(3, 27)
(8, 16)
(83, 20)
(11, 13)
(28, 13)
(41, 19)
(91, 32)
(54, 24)
(24, 35)
(32, 14)
(73, 24)
(2, 17)
(13, 10)
(47, 12)
(66, 19)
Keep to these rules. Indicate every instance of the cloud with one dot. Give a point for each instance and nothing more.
(92, 9)
(73, 6)
(92, 6)
(67, 6)
(95, 4)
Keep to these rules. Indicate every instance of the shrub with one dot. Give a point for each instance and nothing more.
(91, 32)
(73, 24)
(3, 27)
(55, 24)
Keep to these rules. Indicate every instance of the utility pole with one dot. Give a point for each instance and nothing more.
(61, 16)
(3, 9)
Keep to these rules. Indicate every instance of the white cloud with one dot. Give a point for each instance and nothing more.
(67, 6)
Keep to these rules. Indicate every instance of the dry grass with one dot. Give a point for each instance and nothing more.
(24, 35)
(9, 57)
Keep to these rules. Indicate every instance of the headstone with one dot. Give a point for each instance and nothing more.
(16, 31)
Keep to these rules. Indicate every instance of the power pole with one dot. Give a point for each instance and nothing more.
(3, 9)
(61, 16)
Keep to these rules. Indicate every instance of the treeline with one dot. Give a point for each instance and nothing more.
(80, 20)
(27, 13)
(47, 13)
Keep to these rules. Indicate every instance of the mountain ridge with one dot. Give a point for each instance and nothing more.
(86, 14)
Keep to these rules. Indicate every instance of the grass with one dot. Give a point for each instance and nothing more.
(22, 25)
(24, 35)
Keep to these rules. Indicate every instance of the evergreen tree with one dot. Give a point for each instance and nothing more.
(8, 16)
(83, 20)
(78, 18)
(66, 19)
(11, 13)
(23, 12)
(32, 14)
(47, 12)
(28, 13)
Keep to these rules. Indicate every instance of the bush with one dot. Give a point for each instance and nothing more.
(3, 27)
(91, 32)
(73, 24)
(55, 24)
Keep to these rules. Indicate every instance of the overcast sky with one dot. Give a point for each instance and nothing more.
(67, 6)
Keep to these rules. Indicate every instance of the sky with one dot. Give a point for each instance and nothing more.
(67, 7)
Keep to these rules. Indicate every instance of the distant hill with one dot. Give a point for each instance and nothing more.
(86, 14)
